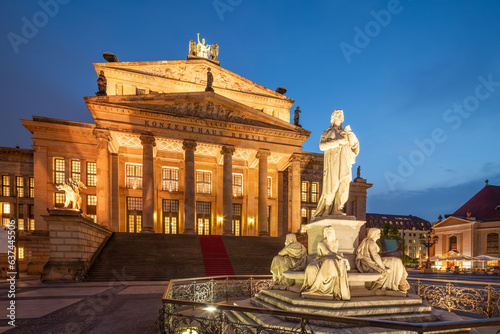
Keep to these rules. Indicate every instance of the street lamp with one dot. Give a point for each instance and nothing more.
(428, 241)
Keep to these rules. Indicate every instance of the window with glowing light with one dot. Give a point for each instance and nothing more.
(133, 176)
(170, 216)
(304, 194)
(203, 182)
(59, 199)
(91, 205)
(59, 170)
(170, 179)
(6, 185)
(91, 174)
(134, 214)
(203, 217)
(314, 192)
(453, 243)
(76, 170)
(269, 187)
(237, 185)
(236, 221)
(20, 186)
(32, 187)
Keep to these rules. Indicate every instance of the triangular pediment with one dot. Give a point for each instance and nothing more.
(157, 77)
(453, 222)
(198, 106)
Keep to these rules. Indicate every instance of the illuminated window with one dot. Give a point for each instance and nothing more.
(76, 170)
(21, 253)
(269, 219)
(133, 176)
(32, 187)
(91, 200)
(59, 171)
(237, 185)
(170, 179)
(314, 192)
(203, 217)
(31, 220)
(91, 205)
(20, 224)
(492, 243)
(170, 216)
(134, 214)
(20, 186)
(94, 217)
(59, 199)
(6, 185)
(203, 182)
(236, 221)
(6, 208)
(269, 187)
(91, 174)
(304, 192)
(304, 214)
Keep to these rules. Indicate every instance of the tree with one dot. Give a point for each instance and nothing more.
(390, 232)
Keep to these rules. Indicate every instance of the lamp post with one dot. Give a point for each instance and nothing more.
(428, 241)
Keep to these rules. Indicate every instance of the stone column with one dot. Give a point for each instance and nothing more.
(189, 146)
(296, 192)
(148, 183)
(115, 193)
(41, 166)
(227, 187)
(262, 216)
(102, 175)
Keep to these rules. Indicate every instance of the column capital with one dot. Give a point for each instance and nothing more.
(101, 134)
(263, 153)
(297, 158)
(227, 149)
(189, 145)
(147, 139)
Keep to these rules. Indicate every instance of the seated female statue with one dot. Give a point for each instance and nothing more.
(369, 261)
(327, 274)
(291, 257)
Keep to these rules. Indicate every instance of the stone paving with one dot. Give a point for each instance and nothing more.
(92, 307)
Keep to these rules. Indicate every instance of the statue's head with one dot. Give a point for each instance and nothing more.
(203, 41)
(328, 231)
(374, 233)
(337, 117)
(290, 239)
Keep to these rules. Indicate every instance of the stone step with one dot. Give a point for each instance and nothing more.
(381, 306)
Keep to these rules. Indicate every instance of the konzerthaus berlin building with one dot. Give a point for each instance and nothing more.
(177, 150)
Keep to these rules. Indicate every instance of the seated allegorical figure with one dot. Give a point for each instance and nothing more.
(369, 261)
(291, 257)
(327, 274)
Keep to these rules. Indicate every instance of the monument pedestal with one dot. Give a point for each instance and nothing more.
(74, 237)
(346, 230)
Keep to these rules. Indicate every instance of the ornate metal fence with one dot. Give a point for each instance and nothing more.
(186, 306)
(457, 297)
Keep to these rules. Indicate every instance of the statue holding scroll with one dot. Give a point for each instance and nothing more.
(341, 148)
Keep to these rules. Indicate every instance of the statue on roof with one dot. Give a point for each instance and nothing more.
(203, 50)
(296, 117)
(101, 84)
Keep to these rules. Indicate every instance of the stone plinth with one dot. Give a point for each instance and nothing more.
(346, 230)
(74, 238)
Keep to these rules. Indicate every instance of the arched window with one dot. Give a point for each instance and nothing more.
(453, 243)
(492, 243)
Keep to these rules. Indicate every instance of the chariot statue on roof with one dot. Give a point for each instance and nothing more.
(203, 50)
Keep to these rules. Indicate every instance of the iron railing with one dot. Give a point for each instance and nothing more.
(189, 304)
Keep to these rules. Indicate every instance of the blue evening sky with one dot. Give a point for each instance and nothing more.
(419, 81)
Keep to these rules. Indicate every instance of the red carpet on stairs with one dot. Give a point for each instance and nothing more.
(215, 256)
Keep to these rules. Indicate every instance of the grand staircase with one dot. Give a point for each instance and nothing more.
(160, 257)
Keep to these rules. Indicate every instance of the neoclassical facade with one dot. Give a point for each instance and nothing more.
(173, 152)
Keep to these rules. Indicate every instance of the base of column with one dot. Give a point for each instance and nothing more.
(263, 234)
(147, 230)
(189, 232)
(227, 233)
